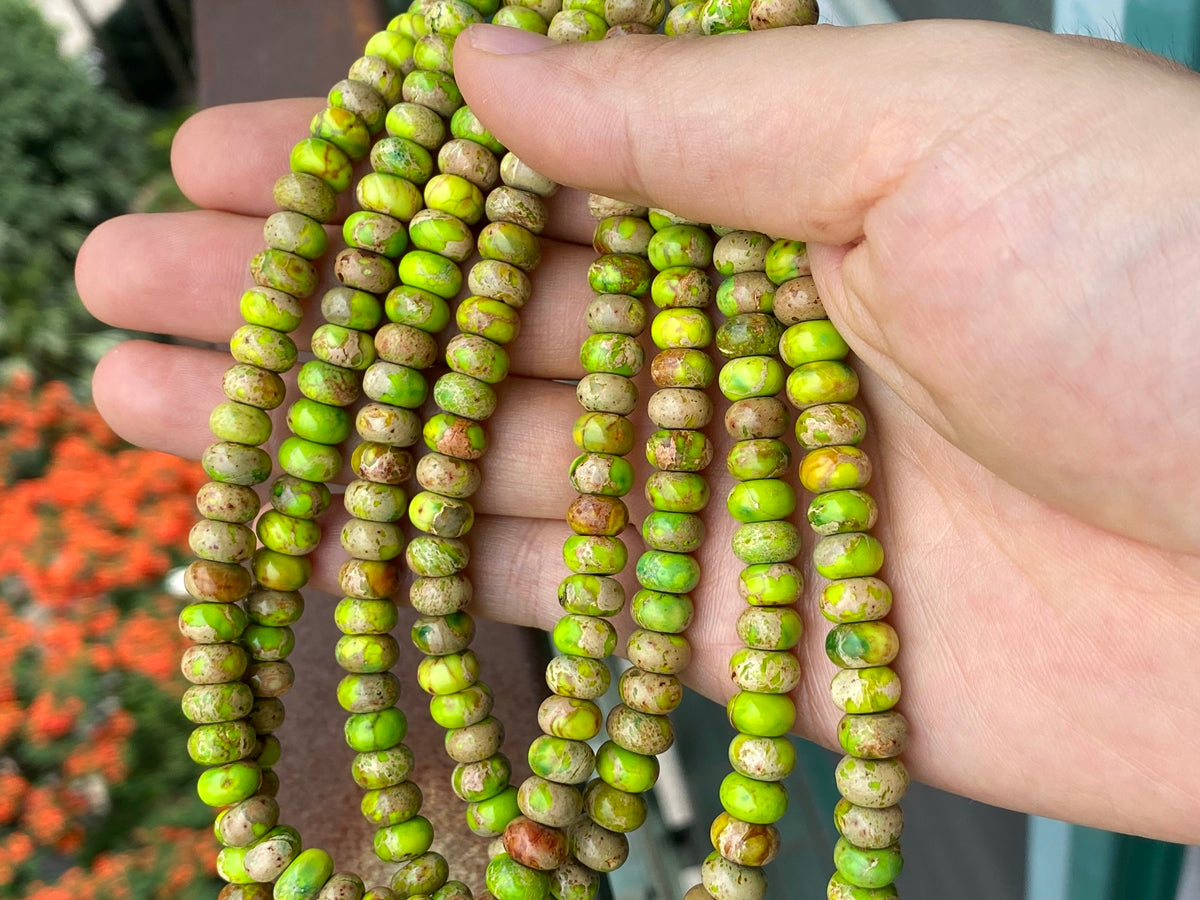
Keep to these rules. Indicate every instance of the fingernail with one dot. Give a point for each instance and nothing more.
(503, 39)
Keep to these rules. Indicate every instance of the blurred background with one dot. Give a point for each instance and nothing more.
(96, 790)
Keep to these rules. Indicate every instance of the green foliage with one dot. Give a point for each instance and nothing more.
(71, 155)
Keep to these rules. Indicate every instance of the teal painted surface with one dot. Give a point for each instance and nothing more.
(1168, 27)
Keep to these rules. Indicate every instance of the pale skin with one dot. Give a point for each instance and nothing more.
(1003, 224)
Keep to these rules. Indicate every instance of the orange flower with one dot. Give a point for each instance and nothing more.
(13, 789)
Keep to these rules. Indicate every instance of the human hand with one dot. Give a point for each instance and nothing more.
(1000, 224)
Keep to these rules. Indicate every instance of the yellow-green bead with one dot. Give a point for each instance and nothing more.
(476, 781)
(416, 123)
(492, 319)
(449, 673)
(601, 473)
(786, 260)
(442, 233)
(327, 383)
(684, 18)
(347, 348)
(309, 460)
(830, 424)
(362, 100)
(856, 600)
(455, 195)
(298, 498)
(764, 671)
(231, 421)
(849, 555)
(757, 802)
(575, 719)
(358, 693)
(268, 642)
(394, 843)
(596, 432)
(594, 554)
(770, 628)
(510, 243)
(282, 271)
(617, 354)
(835, 512)
(873, 736)
(825, 381)
(382, 768)
(395, 385)
(871, 829)
(577, 25)
(834, 468)
(758, 458)
(724, 16)
(253, 386)
(455, 436)
(858, 645)
(395, 48)
(761, 500)
(520, 17)
(560, 760)
(391, 805)
(263, 347)
(620, 273)
(382, 730)
(477, 357)
(287, 534)
(870, 690)
(356, 615)
(270, 308)
(746, 292)
(762, 758)
(755, 543)
(764, 715)
(587, 636)
(464, 124)
(487, 818)
(749, 334)
(681, 328)
(841, 889)
(432, 557)
(441, 516)
(231, 866)
(673, 532)
(315, 156)
(625, 770)
(679, 450)
(229, 784)
(397, 197)
(366, 653)
(508, 879)
(343, 129)
(280, 572)
(813, 341)
(660, 611)
(435, 52)
(221, 742)
(430, 272)
(318, 422)
(305, 194)
(376, 232)
(685, 492)
(681, 287)
(591, 595)
(408, 305)
(462, 708)
(207, 704)
(614, 809)
(680, 245)
(751, 376)
(404, 158)
(451, 18)
(676, 573)
(683, 368)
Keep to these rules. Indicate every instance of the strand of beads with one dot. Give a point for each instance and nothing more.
(764, 669)
(256, 849)
(870, 776)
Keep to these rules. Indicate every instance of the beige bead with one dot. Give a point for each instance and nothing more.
(227, 542)
(653, 651)
(501, 281)
(518, 175)
(606, 392)
(616, 314)
(457, 250)
(640, 732)
(726, 880)
(597, 847)
(796, 300)
(469, 160)
(650, 692)
(874, 783)
(553, 804)
(601, 207)
(741, 251)
(757, 417)
(870, 829)
(342, 886)
(236, 826)
(680, 408)
(524, 208)
(387, 424)
(475, 742)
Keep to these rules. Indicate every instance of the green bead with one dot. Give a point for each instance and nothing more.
(287, 534)
(834, 468)
(680, 245)
(770, 628)
(285, 272)
(441, 516)
(870, 690)
(395, 385)
(314, 156)
(757, 802)
(464, 124)
(211, 623)
(829, 424)
(825, 381)
(573, 718)
(452, 18)
(298, 498)
(268, 641)
(274, 608)
(478, 358)
(683, 492)
(455, 436)
(280, 572)
(751, 376)
(395, 48)
(622, 234)
(561, 760)
(577, 676)
(348, 348)
(464, 396)
(681, 328)
(229, 784)
(206, 704)
(382, 730)
(520, 17)
(392, 805)
(343, 129)
(591, 595)
(679, 450)
(724, 16)
(305, 875)
(488, 817)
(614, 809)
(681, 286)
(477, 781)
(435, 52)
(746, 292)
(404, 158)
(356, 615)
(596, 432)
(358, 693)
(749, 334)
(870, 829)
(841, 889)
(433, 557)
(375, 502)
(510, 243)
(849, 555)
(764, 715)
(861, 644)
(328, 384)
(856, 600)
(271, 309)
(673, 532)
(309, 460)
(761, 500)
(676, 573)
(305, 194)
(263, 347)
(383, 768)
(592, 554)
(625, 770)
(762, 758)
(601, 473)
(755, 543)
(318, 422)
(507, 879)
(376, 232)
(394, 844)
(617, 354)
(429, 272)
(620, 273)
(572, 25)
(874, 783)
(836, 512)
(878, 736)
(786, 260)
(764, 671)
(419, 308)
(758, 458)
(455, 195)
(462, 708)
(416, 123)
(584, 636)
(397, 197)
(231, 865)
(443, 234)
(366, 653)
(448, 674)
(221, 742)
(660, 611)
(812, 341)
(682, 368)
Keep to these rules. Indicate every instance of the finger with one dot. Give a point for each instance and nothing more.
(183, 274)
(229, 157)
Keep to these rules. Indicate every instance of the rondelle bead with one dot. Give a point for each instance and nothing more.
(682, 368)
(422, 874)
(825, 381)
(412, 837)
(365, 653)
(228, 784)
(874, 783)
(439, 515)
(639, 732)
(605, 392)
(475, 742)
(757, 417)
(584, 636)
(622, 234)
(751, 376)
(724, 879)
(455, 195)
(306, 194)
(318, 422)
(662, 611)
(226, 542)
(500, 281)
(213, 663)
(596, 432)
(614, 353)
(395, 385)
(770, 628)
(246, 821)
(206, 704)
(309, 460)
(764, 671)
(807, 342)
(857, 645)
(265, 348)
(371, 692)
(755, 543)
(346, 348)
(673, 532)
(267, 642)
(325, 383)
(447, 475)
(364, 270)
(681, 328)
(298, 498)
(591, 514)
(764, 715)
(518, 175)
(841, 889)
(462, 708)
(423, 309)
(391, 805)
(439, 635)
(566, 717)
(449, 673)
(381, 768)
(681, 492)
(287, 534)
(535, 845)
(746, 292)
(561, 760)
(324, 159)
(218, 582)
(548, 802)
(470, 160)
(871, 829)
(597, 847)
(253, 386)
(681, 287)
(870, 690)
(641, 12)
(856, 600)
(354, 615)
(373, 502)
(211, 623)
(748, 334)
(270, 308)
(276, 608)
(416, 123)
(601, 473)
(360, 99)
(507, 204)
(754, 801)
(577, 676)
(435, 52)
(382, 463)
(677, 408)
(520, 17)
(342, 886)
(666, 654)
(615, 313)
(741, 251)
(343, 129)
(375, 233)
(761, 500)
(619, 273)
(573, 880)
(796, 300)
(744, 843)
(492, 319)
(509, 879)
(851, 555)
(878, 736)
(220, 742)
(405, 346)
(268, 857)
(770, 584)
(440, 595)
(434, 556)
(481, 779)
(650, 692)
(675, 573)
(614, 809)
(442, 233)
(841, 511)
(285, 272)
(679, 245)
(762, 758)
(510, 243)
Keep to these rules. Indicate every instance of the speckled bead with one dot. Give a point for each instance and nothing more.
(758, 417)
(442, 233)
(614, 809)
(601, 473)
(725, 880)
(591, 595)
(305, 194)
(263, 347)
(381, 768)
(685, 492)
(549, 803)
(650, 692)
(417, 307)
(759, 458)
(395, 843)
(417, 123)
(508, 879)
(870, 829)
(684, 18)
(569, 717)
(327, 383)
(298, 498)
(574, 881)
(870, 690)
(676, 573)
(764, 671)
(464, 124)
(462, 708)
(360, 99)
(748, 334)
(597, 847)
(343, 129)
(877, 736)
(405, 345)
(226, 542)
(440, 595)
(614, 353)
(375, 232)
(639, 732)
(652, 651)
(520, 17)
(220, 742)
(857, 645)
(323, 159)
(268, 857)
(216, 582)
(741, 251)
(751, 376)
(681, 287)
(607, 433)
(874, 783)
(584, 636)
(850, 555)
(366, 653)
(762, 758)
(247, 821)
(500, 281)
(481, 779)
(761, 500)
(470, 160)
(834, 468)
(391, 805)
(746, 292)
(485, 360)
(744, 843)
(606, 392)
(507, 204)
(597, 515)
(455, 436)
(679, 408)
(488, 318)
(357, 615)
(682, 368)
(622, 234)
(770, 628)
(440, 515)
(673, 532)
(830, 424)
(276, 608)
(435, 52)
(560, 760)
(227, 502)
(577, 676)
(619, 273)
(253, 386)
(368, 692)
(756, 543)
(422, 874)
(284, 272)
(856, 600)
(207, 704)
(431, 557)
(449, 673)
(617, 313)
